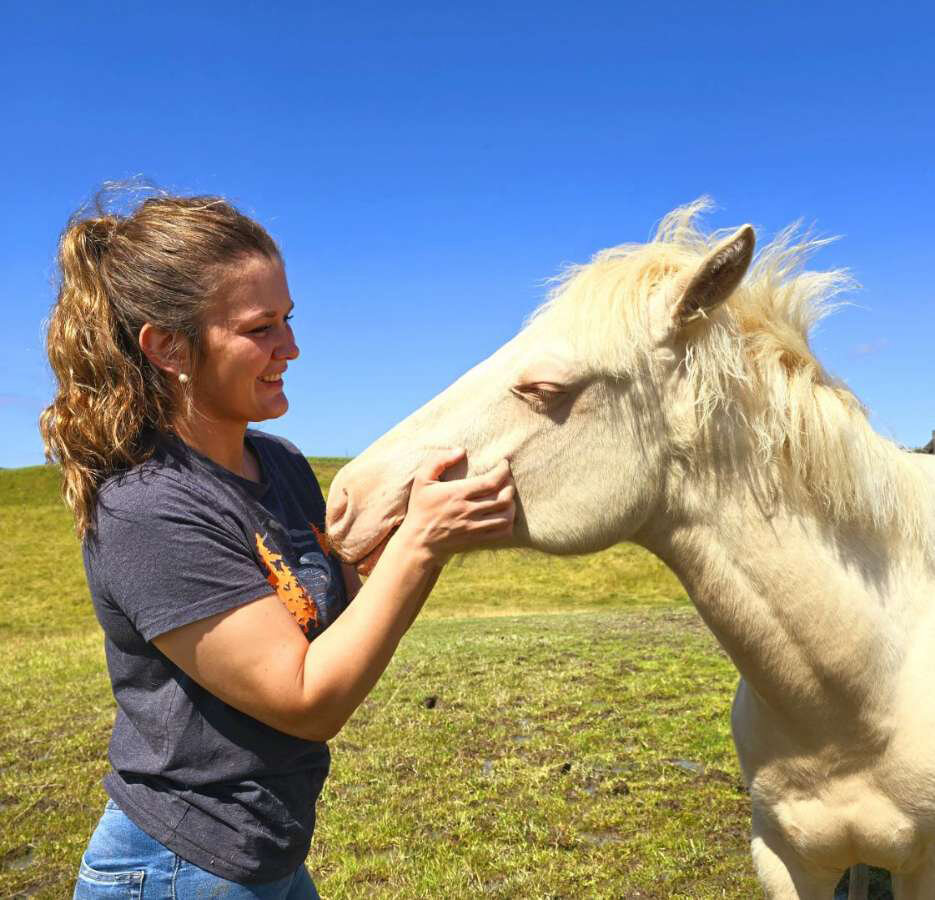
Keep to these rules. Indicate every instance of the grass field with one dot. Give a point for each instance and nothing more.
(549, 728)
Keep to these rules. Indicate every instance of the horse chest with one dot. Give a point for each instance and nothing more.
(844, 821)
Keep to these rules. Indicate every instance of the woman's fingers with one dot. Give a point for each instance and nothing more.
(503, 499)
(493, 523)
(496, 513)
(488, 483)
(452, 516)
(438, 461)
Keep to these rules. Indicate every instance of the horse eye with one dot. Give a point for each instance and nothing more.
(540, 394)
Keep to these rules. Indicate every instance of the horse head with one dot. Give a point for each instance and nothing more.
(586, 402)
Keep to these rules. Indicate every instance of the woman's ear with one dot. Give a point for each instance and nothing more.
(165, 350)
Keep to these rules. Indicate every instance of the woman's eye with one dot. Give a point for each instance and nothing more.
(262, 329)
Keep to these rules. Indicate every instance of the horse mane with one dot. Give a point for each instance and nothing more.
(751, 361)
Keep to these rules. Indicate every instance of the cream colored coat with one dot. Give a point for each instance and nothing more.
(666, 395)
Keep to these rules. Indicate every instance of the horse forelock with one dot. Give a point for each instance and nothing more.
(752, 363)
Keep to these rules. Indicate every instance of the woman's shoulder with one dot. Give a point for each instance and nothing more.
(283, 461)
(273, 443)
(166, 481)
(276, 449)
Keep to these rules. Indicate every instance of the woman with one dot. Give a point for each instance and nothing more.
(232, 647)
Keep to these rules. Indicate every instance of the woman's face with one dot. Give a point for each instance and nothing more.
(247, 343)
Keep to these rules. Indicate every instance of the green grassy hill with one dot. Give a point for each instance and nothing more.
(549, 727)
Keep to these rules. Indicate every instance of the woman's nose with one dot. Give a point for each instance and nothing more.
(288, 349)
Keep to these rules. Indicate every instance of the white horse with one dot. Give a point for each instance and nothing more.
(667, 396)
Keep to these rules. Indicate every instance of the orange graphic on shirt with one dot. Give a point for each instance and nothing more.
(323, 540)
(293, 595)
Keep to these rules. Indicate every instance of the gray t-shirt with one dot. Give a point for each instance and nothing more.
(177, 539)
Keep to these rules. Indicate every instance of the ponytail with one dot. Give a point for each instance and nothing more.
(162, 264)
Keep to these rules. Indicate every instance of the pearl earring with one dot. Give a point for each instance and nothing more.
(183, 378)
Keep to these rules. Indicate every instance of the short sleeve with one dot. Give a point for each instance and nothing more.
(167, 556)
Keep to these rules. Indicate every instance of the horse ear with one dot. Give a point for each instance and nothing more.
(717, 277)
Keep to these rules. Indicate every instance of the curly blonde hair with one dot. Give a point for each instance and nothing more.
(163, 263)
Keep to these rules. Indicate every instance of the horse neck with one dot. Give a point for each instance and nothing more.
(814, 615)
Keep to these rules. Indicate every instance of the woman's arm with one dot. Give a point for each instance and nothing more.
(352, 582)
(256, 658)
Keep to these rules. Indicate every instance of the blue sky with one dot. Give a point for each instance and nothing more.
(425, 166)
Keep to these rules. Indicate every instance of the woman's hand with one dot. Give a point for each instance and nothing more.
(447, 517)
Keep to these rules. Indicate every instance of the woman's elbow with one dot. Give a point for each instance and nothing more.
(318, 731)
(315, 721)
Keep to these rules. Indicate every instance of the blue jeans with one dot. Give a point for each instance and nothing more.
(123, 861)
